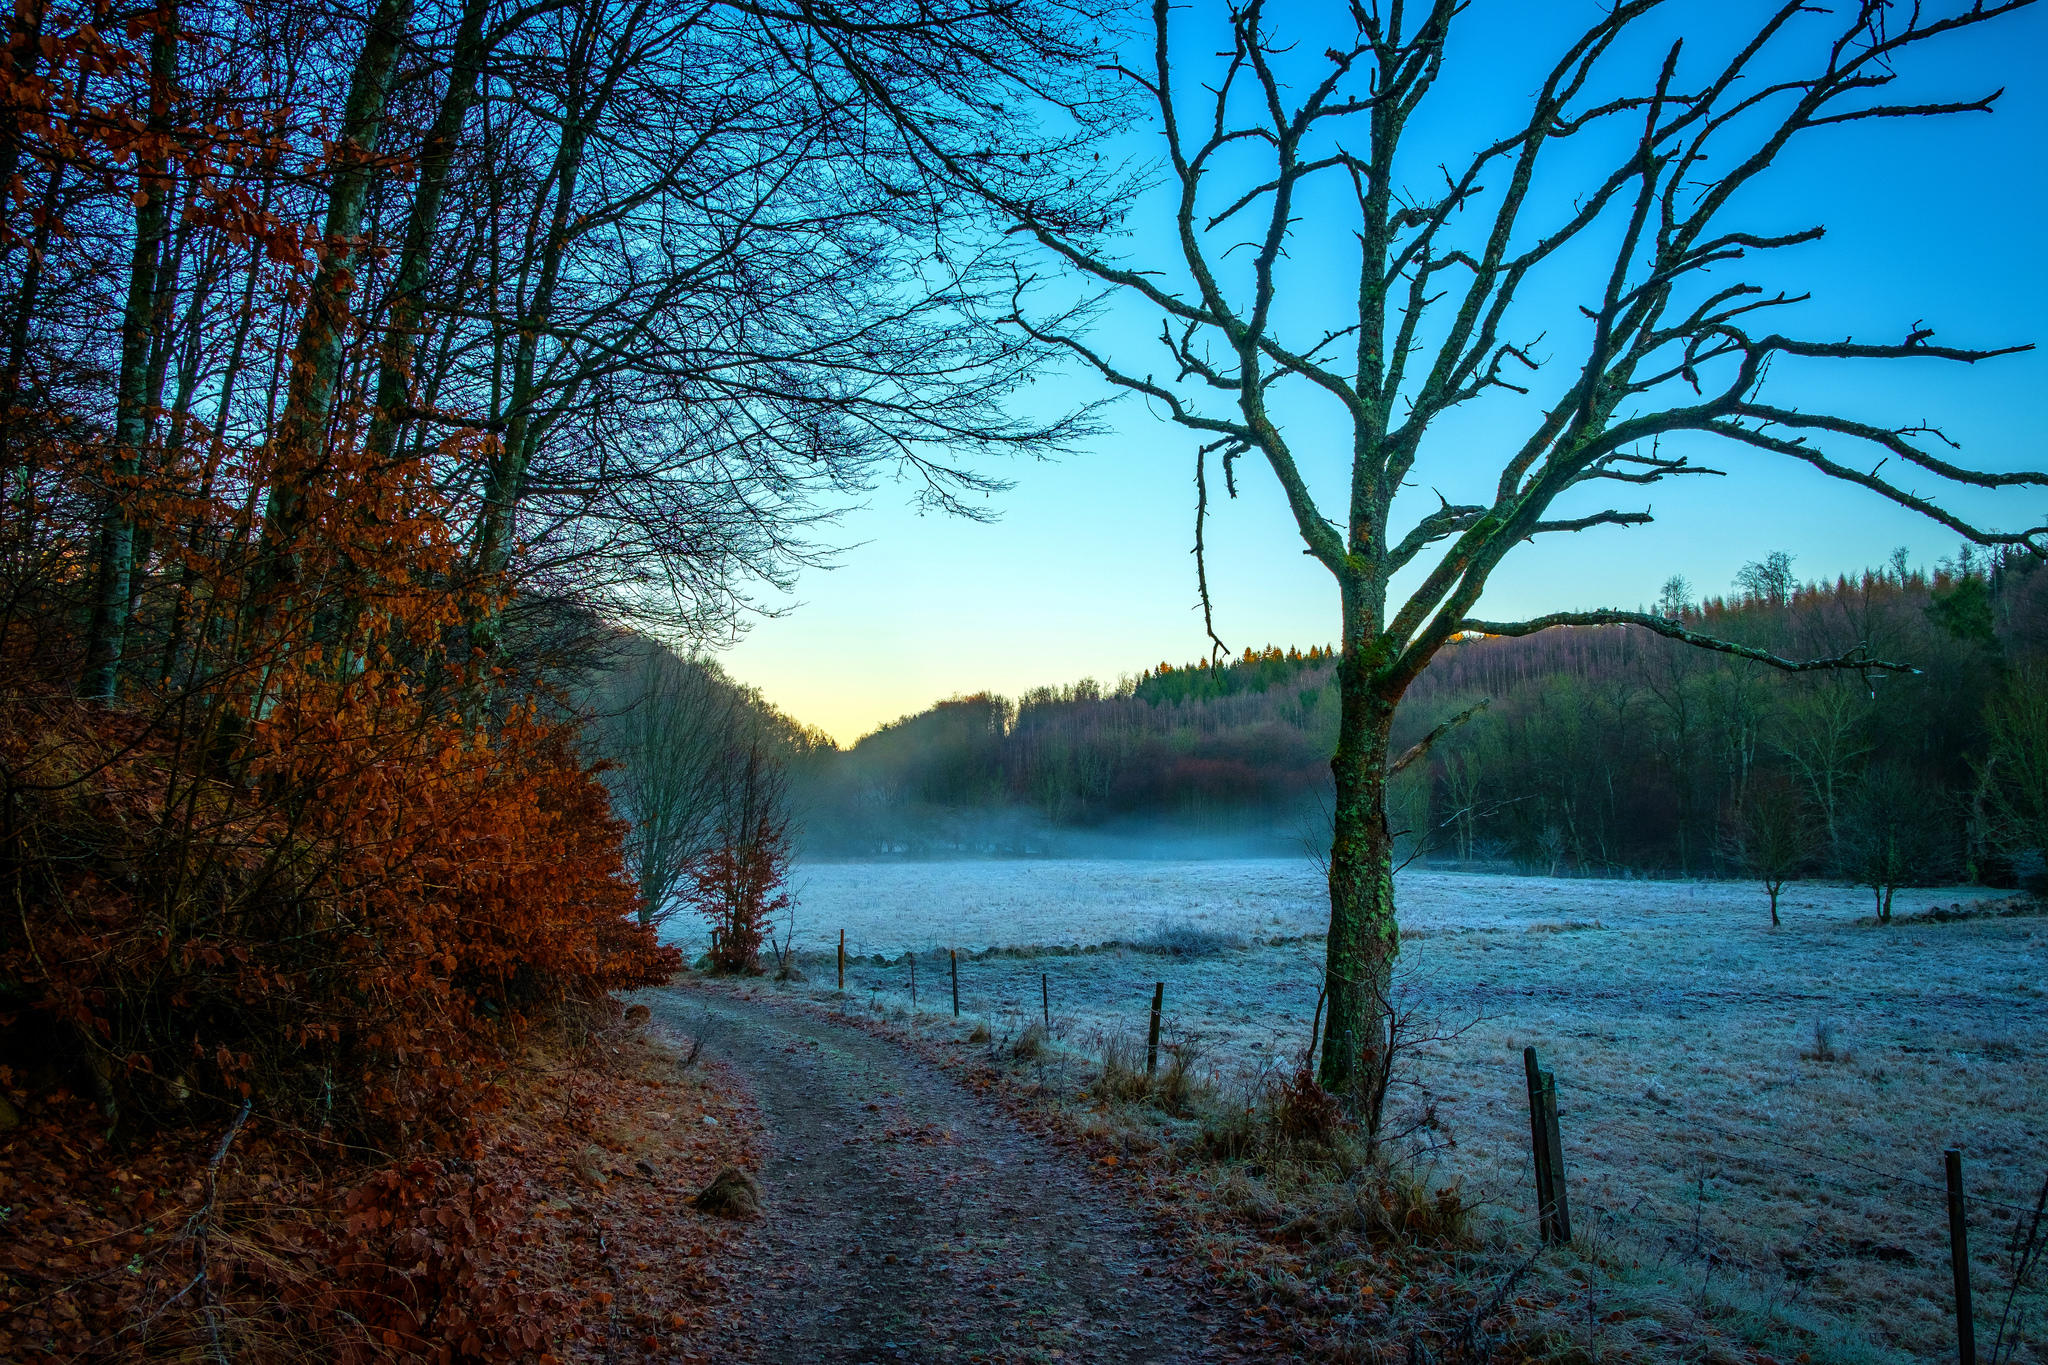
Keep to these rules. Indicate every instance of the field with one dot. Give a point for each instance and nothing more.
(1753, 1118)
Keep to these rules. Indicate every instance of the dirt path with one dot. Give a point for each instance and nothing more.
(907, 1220)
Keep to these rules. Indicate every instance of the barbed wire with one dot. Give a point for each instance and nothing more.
(1568, 1086)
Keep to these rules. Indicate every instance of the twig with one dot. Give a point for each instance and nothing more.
(202, 1237)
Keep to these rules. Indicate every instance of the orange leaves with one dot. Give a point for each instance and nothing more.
(354, 924)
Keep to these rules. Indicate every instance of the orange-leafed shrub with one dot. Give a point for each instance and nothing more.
(738, 886)
(331, 875)
(343, 935)
(738, 890)
(335, 872)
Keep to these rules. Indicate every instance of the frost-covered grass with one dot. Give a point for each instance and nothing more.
(1720, 1160)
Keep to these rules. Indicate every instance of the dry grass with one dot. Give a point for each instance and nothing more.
(1121, 1077)
(1030, 1045)
(732, 1193)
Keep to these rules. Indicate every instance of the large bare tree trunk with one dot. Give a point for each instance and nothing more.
(316, 358)
(1364, 937)
(106, 635)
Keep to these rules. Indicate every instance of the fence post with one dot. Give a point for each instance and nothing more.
(1547, 1150)
(1152, 1038)
(842, 959)
(1560, 1197)
(1538, 1141)
(1045, 1000)
(953, 954)
(1959, 1257)
(913, 983)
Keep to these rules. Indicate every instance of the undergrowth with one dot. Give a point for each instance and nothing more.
(279, 941)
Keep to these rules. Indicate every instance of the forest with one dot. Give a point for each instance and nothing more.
(1596, 751)
(371, 377)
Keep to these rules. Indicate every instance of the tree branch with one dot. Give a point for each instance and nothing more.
(1422, 746)
(1856, 658)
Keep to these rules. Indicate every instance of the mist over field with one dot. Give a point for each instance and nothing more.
(1021, 832)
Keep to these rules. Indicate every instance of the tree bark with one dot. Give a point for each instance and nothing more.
(1364, 937)
(316, 358)
(106, 634)
(437, 157)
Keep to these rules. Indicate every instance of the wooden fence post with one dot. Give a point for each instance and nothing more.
(1538, 1141)
(913, 983)
(954, 955)
(1959, 1257)
(842, 959)
(1152, 1038)
(1560, 1197)
(1546, 1147)
(1045, 1000)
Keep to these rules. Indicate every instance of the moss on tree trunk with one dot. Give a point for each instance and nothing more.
(1364, 937)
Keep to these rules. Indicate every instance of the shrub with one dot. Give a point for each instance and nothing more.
(330, 883)
(1182, 938)
(1303, 1112)
(737, 887)
(383, 902)
(1824, 1048)
(1030, 1044)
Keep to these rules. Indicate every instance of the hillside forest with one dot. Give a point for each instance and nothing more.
(1595, 751)
(368, 375)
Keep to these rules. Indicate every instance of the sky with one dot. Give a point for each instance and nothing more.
(1086, 568)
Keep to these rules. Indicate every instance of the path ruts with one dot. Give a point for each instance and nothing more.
(906, 1219)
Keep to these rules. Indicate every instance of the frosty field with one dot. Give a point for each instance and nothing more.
(1715, 1150)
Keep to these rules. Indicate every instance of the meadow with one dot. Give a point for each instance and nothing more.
(1753, 1117)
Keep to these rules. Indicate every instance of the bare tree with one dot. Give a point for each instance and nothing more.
(645, 287)
(1266, 145)
(1893, 834)
(668, 725)
(2015, 773)
(739, 886)
(1771, 836)
(1768, 579)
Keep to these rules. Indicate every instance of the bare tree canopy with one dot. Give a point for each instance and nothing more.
(649, 288)
(1635, 183)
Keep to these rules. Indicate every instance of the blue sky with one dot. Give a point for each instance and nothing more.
(1087, 570)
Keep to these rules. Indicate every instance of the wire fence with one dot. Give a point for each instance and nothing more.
(1838, 1230)
(1972, 1246)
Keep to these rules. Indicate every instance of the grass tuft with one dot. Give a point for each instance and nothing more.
(1030, 1044)
(732, 1193)
(1121, 1077)
(1824, 1048)
(1183, 938)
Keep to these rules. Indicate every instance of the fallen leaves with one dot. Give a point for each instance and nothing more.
(473, 1256)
